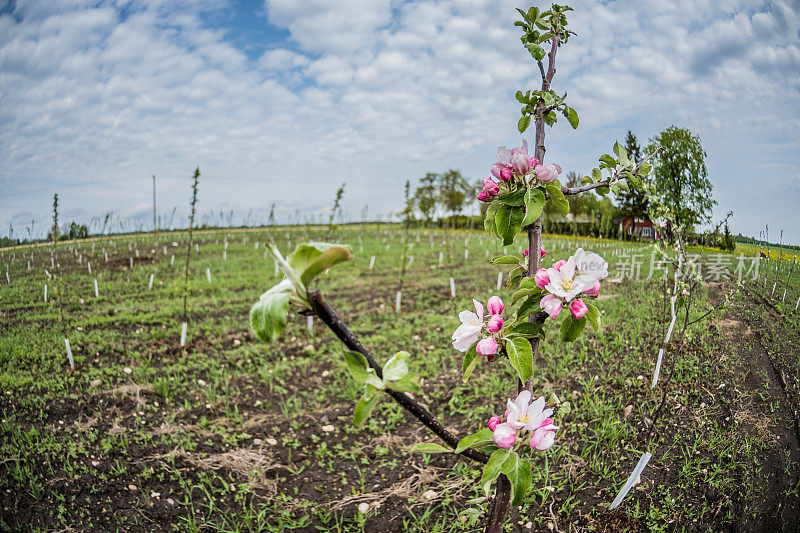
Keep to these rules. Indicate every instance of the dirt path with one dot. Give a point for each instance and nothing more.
(765, 400)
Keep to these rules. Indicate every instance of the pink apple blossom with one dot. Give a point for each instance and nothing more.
(551, 305)
(541, 278)
(515, 160)
(494, 422)
(495, 305)
(543, 437)
(504, 435)
(548, 173)
(558, 264)
(486, 347)
(495, 324)
(578, 308)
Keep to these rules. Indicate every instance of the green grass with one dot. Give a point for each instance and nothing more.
(139, 411)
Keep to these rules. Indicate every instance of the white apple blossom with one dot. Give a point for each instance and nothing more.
(470, 329)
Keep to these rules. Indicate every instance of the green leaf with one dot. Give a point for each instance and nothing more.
(526, 329)
(528, 306)
(357, 365)
(430, 447)
(364, 407)
(603, 191)
(597, 175)
(471, 360)
(571, 328)
(523, 123)
(572, 116)
(518, 472)
(608, 160)
(373, 380)
(521, 98)
(492, 468)
(536, 51)
(557, 197)
(311, 258)
(521, 293)
(509, 223)
(268, 314)
(407, 383)
(481, 438)
(550, 118)
(644, 169)
(534, 204)
(594, 316)
(489, 222)
(505, 260)
(622, 154)
(634, 180)
(396, 367)
(512, 198)
(520, 356)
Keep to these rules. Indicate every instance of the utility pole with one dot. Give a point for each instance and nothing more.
(155, 226)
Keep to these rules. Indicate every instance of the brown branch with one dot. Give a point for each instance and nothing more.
(499, 505)
(326, 313)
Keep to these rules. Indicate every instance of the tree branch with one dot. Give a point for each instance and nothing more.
(326, 313)
(606, 182)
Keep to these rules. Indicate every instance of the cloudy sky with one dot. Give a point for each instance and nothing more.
(282, 101)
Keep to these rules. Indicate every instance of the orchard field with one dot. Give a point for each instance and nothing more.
(228, 433)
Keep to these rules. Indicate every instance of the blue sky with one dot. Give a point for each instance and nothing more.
(282, 101)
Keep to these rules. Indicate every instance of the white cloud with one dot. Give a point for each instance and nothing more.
(374, 93)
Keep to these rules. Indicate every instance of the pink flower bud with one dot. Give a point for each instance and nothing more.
(495, 324)
(501, 171)
(551, 304)
(486, 347)
(542, 439)
(495, 305)
(504, 435)
(543, 253)
(483, 196)
(494, 422)
(578, 308)
(490, 186)
(684, 292)
(558, 264)
(594, 290)
(541, 278)
(525, 252)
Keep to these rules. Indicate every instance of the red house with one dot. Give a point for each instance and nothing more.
(638, 228)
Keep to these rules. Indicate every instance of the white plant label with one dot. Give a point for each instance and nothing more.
(184, 325)
(371, 262)
(499, 280)
(452, 287)
(150, 283)
(69, 353)
(310, 323)
(208, 274)
(96, 291)
(45, 292)
(397, 298)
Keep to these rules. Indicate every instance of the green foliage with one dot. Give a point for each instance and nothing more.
(680, 177)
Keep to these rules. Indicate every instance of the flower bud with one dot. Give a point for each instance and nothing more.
(551, 304)
(578, 308)
(542, 439)
(483, 196)
(486, 347)
(494, 422)
(543, 253)
(505, 435)
(495, 305)
(558, 264)
(541, 278)
(490, 186)
(495, 324)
